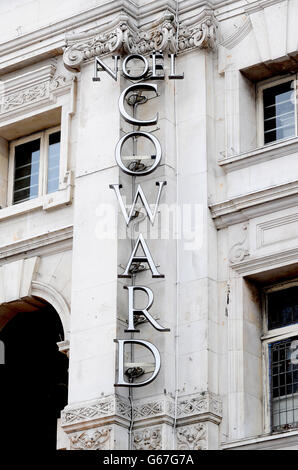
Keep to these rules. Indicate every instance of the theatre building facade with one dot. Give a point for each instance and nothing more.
(149, 224)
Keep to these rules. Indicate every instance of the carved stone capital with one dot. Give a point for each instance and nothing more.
(200, 32)
(118, 38)
(162, 37)
(124, 37)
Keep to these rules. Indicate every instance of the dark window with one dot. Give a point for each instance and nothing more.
(53, 162)
(279, 112)
(26, 172)
(283, 308)
(284, 383)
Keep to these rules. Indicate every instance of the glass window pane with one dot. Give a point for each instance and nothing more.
(26, 173)
(279, 112)
(283, 308)
(53, 162)
(284, 398)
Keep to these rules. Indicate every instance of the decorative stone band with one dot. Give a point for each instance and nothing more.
(32, 89)
(116, 409)
(111, 409)
(96, 425)
(123, 36)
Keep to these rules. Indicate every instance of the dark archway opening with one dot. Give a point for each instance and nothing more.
(33, 380)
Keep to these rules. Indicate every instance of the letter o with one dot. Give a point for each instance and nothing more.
(135, 56)
(120, 144)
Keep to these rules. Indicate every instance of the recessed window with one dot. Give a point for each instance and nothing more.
(36, 165)
(284, 383)
(281, 349)
(53, 162)
(283, 308)
(26, 171)
(279, 112)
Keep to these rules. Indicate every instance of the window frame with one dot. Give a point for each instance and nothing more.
(268, 337)
(43, 163)
(265, 85)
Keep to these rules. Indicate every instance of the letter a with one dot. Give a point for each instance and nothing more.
(134, 258)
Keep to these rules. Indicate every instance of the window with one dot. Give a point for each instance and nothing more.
(34, 165)
(281, 349)
(278, 110)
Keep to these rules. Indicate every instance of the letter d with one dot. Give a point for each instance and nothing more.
(121, 342)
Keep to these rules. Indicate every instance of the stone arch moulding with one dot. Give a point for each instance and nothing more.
(17, 283)
(53, 297)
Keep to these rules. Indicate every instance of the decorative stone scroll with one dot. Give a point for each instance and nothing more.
(201, 34)
(240, 249)
(125, 38)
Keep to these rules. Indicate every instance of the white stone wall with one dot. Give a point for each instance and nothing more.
(210, 392)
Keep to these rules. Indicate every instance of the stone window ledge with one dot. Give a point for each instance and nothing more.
(46, 202)
(265, 442)
(259, 155)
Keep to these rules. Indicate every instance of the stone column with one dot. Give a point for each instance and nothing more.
(95, 418)
(198, 404)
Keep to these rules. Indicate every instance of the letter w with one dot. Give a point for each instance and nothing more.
(139, 194)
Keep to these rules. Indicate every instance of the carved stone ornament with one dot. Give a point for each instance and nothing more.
(101, 408)
(240, 249)
(148, 439)
(92, 439)
(123, 37)
(205, 402)
(148, 414)
(193, 437)
(29, 89)
(202, 34)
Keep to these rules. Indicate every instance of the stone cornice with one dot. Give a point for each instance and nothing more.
(49, 242)
(124, 36)
(248, 206)
(258, 264)
(259, 155)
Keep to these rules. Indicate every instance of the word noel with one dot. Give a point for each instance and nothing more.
(156, 72)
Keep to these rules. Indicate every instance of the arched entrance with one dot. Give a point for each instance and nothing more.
(33, 381)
